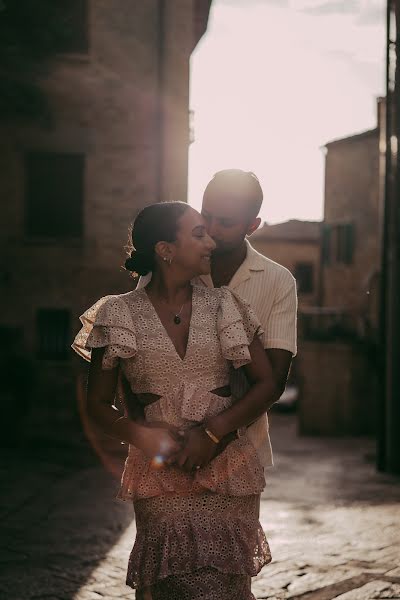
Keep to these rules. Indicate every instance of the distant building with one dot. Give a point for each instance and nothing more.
(338, 349)
(118, 140)
(295, 245)
(352, 226)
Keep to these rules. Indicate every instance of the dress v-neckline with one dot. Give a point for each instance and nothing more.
(164, 330)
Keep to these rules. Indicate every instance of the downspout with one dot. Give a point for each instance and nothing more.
(382, 357)
(320, 290)
(159, 126)
(389, 440)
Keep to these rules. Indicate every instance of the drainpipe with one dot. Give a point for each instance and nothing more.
(159, 133)
(323, 240)
(388, 458)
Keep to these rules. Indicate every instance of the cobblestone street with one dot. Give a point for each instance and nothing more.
(332, 521)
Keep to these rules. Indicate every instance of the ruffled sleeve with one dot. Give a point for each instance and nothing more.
(107, 324)
(237, 326)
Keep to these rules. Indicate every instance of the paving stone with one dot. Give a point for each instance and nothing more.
(88, 595)
(329, 592)
(391, 592)
(316, 580)
(369, 591)
(115, 591)
(394, 572)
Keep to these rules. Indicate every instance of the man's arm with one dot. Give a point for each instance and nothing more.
(280, 330)
(280, 361)
(280, 338)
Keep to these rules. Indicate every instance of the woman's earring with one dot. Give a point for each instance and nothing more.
(169, 260)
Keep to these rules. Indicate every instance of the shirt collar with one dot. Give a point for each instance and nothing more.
(255, 260)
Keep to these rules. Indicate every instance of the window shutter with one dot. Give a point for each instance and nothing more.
(54, 195)
(348, 230)
(73, 15)
(304, 275)
(53, 330)
(326, 244)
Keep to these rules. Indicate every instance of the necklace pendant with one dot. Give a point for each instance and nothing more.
(177, 320)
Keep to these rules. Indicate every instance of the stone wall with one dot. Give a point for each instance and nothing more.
(336, 396)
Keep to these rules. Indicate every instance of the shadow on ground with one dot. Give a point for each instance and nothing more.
(59, 520)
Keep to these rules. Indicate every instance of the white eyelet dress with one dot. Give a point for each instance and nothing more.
(198, 534)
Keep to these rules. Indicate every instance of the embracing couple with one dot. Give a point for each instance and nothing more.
(202, 349)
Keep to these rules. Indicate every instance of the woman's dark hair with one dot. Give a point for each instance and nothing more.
(155, 223)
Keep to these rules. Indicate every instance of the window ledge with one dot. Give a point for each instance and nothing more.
(73, 242)
(74, 57)
(54, 362)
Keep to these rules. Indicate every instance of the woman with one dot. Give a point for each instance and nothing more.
(198, 534)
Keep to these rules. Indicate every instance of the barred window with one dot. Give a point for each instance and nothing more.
(73, 15)
(54, 194)
(338, 243)
(53, 333)
(304, 275)
(344, 243)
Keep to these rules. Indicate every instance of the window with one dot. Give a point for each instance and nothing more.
(344, 243)
(326, 244)
(54, 195)
(304, 275)
(53, 331)
(73, 16)
(338, 243)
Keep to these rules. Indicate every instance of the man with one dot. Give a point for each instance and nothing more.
(231, 203)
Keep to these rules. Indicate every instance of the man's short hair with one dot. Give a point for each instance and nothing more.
(237, 179)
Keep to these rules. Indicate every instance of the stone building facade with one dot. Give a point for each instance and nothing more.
(295, 245)
(352, 225)
(117, 141)
(337, 356)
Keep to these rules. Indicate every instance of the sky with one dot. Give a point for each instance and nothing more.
(272, 81)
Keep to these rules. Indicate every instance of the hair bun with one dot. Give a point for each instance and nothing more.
(139, 262)
(155, 223)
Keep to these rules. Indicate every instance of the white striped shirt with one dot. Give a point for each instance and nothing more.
(270, 289)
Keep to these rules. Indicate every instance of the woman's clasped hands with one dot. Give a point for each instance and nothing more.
(189, 449)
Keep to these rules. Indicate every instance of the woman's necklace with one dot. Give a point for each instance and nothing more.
(177, 318)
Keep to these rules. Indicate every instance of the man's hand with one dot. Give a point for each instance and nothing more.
(215, 451)
(197, 450)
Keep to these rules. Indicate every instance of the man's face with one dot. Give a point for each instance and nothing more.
(228, 220)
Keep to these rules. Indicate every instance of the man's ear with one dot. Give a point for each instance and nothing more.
(253, 226)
